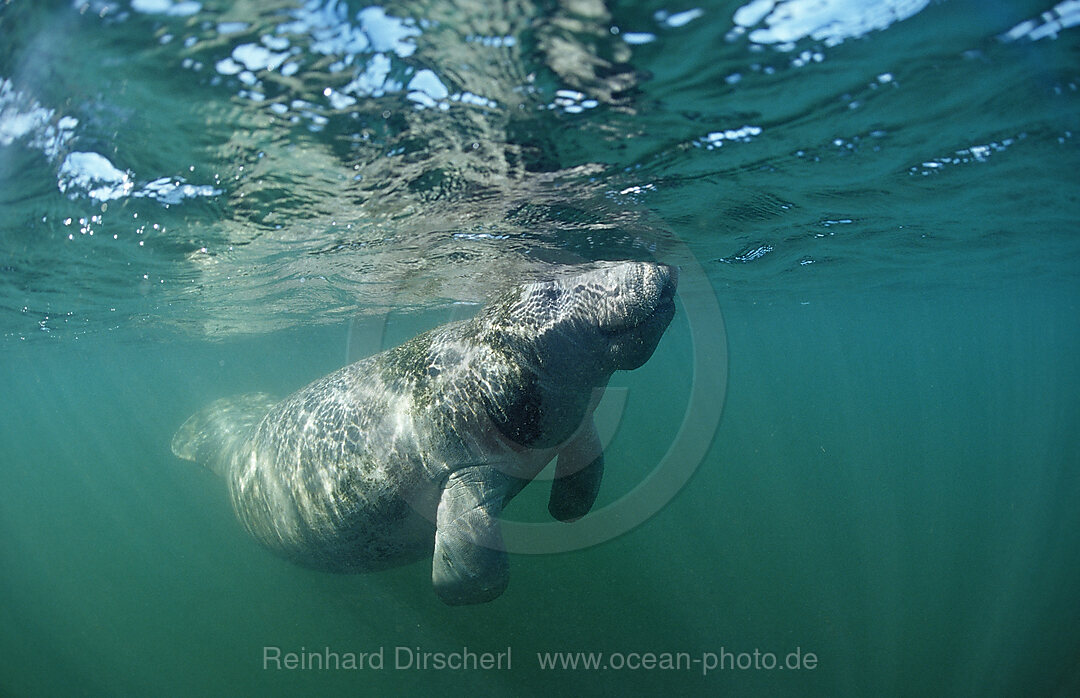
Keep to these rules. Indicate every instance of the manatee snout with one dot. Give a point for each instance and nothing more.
(635, 315)
(635, 292)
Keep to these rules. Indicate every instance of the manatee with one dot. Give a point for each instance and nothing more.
(415, 451)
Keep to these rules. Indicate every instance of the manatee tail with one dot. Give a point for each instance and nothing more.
(211, 436)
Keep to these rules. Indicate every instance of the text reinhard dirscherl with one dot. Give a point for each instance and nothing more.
(401, 658)
(465, 659)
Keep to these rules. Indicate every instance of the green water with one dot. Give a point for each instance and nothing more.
(892, 485)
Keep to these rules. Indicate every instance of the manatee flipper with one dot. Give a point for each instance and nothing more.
(470, 564)
(577, 476)
(212, 435)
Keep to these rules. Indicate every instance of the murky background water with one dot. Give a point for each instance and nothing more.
(199, 199)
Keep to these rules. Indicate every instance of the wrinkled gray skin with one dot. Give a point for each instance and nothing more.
(363, 468)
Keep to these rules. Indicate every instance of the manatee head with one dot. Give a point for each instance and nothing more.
(610, 317)
(565, 336)
(634, 304)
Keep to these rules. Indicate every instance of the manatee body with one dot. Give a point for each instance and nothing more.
(415, 451)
